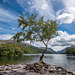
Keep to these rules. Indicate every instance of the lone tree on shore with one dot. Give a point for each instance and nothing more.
(35, 29)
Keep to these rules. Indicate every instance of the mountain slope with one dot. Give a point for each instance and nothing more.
(35, 49)
(49, 49)
(63, 50)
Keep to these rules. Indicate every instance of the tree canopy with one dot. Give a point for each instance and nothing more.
(70, 51)
(34, 28)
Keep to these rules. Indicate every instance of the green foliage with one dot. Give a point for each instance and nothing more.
(70, 51)
(35, 29)
(10, 50)
(15, 50)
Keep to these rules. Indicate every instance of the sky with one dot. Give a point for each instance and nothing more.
(63, 11)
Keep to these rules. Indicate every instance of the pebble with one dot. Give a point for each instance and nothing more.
(20, 69)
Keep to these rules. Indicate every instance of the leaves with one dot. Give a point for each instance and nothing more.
(34, 28)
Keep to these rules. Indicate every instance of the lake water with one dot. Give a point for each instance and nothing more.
(52, 59)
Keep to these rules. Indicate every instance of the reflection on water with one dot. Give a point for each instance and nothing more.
(12, 60)
(53, 59)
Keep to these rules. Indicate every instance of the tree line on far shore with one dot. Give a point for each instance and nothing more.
(70, 51)
(15, 50)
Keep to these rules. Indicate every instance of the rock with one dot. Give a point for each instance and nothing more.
(14, 70)
(1, 69)
(8, 68)
(1, 73)
(63, 73)
(69, 72)
(74, 73)
(0, 66)
(52, 70)
(7, 65)
(15, 66)
(3, 66)
(58, 72)
(39, 68)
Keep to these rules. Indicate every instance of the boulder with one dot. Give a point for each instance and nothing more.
(1, 69)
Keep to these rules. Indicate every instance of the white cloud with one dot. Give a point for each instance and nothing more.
(7, 16)
(6, 37)
(13, 28)
(60, 42)
(44, 8)
(68, 3)
(66, 18)
(0, 28)
(68, 13)
(4, 1)
(22, 3)
(29, 3)
(64, 39)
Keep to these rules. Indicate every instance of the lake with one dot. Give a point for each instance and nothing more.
(52, 59)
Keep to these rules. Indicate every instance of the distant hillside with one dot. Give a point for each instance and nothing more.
(35, 49)
(63, 50)
(71, 50)
(12, 49)
(49, 49)
(52, 50)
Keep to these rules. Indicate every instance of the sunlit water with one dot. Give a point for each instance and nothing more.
(52, 59)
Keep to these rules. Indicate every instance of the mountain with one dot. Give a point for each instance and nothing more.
(72, 46)
(63, 50)
(37, 49)
(52, 50)
(49, 49)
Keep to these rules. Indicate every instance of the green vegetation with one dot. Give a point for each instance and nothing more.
(70, 51)
(35, 29)
(10, 50)
(17, 50)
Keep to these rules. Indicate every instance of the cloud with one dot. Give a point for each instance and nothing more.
(13, 28)
(6, 37)
(67, 14)
(7, 16)
(58, 43)
(44, 8)
(23, 3)
(64, 39)
(68, 3)
(29, 3)
(4, 1)
(0, 27)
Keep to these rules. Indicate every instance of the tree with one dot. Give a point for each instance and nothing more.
(36, 29)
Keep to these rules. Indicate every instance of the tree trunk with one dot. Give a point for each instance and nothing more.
(41, 57)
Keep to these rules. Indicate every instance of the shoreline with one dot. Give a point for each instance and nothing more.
(20, 69)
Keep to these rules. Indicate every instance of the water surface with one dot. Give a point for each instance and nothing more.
(52, 59)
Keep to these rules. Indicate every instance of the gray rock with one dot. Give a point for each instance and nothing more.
(15, 70)
(1, 69)
(8, 68)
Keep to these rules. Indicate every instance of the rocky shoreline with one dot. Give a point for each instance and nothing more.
(34, 69)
